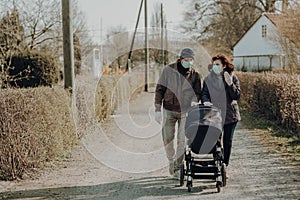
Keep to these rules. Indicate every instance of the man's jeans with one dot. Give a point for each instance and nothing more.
(168, 133)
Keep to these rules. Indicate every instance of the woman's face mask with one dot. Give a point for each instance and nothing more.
(217, 67)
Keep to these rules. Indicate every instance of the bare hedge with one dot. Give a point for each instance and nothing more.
(277, 96)
(97, 99)
(36, 127)
(115, 91)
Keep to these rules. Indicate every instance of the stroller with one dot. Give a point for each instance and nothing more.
(203, 157)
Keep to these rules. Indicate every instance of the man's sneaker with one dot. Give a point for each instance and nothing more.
(171, 167)
(177, 174)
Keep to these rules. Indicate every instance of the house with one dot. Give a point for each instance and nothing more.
(273, 41)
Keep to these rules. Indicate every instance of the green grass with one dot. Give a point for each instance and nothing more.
(272, 135)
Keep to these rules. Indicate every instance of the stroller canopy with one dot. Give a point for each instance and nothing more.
(203, 128)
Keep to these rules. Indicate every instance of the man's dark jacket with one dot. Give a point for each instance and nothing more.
(175, 91)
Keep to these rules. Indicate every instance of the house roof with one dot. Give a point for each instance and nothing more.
(246, 31)
(287, 24)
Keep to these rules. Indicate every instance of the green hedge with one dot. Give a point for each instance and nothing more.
(277, 96)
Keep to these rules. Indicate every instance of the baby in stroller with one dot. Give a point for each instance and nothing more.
(204, 151)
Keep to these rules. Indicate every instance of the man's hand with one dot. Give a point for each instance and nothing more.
(207, 103)
(158, 117)
(228, 78)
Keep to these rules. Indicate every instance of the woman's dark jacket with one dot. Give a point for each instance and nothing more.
(223, 96)
(175, 91)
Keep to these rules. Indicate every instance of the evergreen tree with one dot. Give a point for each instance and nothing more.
(12, 37)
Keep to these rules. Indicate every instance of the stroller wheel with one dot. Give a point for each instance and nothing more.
(181, 175)
(223, 173)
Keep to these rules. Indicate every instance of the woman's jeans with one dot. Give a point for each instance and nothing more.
(170, 118)
(228, 131)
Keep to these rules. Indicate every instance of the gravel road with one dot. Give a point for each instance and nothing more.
(123, 158)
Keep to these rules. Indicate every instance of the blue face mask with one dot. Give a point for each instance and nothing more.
(217, 69)
(186, 64)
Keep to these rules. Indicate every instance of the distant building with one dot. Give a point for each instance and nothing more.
(266, 45)
(97, 63)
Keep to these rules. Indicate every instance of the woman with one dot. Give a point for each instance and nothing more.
(221, 88)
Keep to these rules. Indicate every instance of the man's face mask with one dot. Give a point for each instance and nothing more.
(186, 64)
(217, 69)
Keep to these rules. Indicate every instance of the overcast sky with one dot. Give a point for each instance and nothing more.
(113, 13)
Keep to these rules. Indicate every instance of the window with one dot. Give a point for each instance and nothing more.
(264, 31)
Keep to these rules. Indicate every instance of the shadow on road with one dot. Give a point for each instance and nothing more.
(132, 189)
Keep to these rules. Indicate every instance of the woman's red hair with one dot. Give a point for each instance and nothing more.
(225, 61)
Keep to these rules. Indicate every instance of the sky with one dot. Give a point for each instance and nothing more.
(112, 13)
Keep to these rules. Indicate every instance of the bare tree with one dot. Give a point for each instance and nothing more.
(39, 19)
(289, 38)
(267, 5)
(117, 45)
(218, 24)
(155, 40)
(81, 29)
(42, 24)
(156, 16)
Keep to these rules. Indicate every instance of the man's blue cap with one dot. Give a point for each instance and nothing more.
(187, 53)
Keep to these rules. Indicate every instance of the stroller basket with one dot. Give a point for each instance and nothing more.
(203, 128)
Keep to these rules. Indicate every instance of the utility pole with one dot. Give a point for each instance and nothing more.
(162, 34)
(101, 47)
(68, 48)
(146, 48)
(132, 41)
(166, 43)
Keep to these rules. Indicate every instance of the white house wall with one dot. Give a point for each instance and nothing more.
(257, 63)
(253, 51)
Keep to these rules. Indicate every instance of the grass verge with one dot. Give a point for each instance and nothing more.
(276, 138)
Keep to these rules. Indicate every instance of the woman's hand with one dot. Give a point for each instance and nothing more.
(228, 78)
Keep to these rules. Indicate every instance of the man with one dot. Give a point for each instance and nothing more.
(178, 87)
